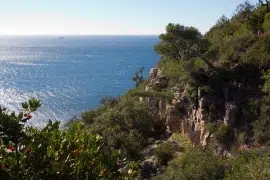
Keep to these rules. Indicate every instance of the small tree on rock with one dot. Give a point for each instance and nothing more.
(138, 76)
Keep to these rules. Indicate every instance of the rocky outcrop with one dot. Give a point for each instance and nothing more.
(182, 116)
(157, 80)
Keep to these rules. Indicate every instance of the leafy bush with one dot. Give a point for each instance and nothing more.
(251, 165)
(164, 153)
(52, 153)
(126, 125)
(266, 86)
(182, 139)
(266, 23)
(195, 165)
(174, 70)
(261, 127)
(258, 54)
(110, 101)
(224, 134)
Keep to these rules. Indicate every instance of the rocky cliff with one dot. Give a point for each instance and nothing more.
(181, 115)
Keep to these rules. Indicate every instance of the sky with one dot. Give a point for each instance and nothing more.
(109, 17)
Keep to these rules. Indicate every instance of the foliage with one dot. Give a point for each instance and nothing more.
(109, 101)
(12, 132)
(174, 70)
(182, 139)
(164, 153)
(195, 165)
(179, 71)
(224, 134)
(89, 116)
(261, 127)
(250, 165)
(198, 164)
(125, 126)
(258, 54)
(266, 23)
(51, 153)
(266, 86)
(179, 42)
(138, 76)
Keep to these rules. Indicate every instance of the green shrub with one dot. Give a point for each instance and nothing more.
(164, 153)
(250, 164)
(182, 139)
(52, 153)
(261, 127)
(126, 126)
(224, 134)
(88, 117)
(195, 165)
(110, 101)
(174, 70)
(258, 54)
(266, 23)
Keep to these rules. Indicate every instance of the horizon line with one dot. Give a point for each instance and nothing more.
(79, 34)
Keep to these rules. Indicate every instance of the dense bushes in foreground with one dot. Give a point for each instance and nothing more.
(53, 153)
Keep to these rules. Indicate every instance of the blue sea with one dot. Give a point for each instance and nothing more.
(71, 74)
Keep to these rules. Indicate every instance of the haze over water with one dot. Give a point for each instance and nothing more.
(72, 74)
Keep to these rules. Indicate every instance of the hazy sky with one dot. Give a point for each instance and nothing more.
(109, 16)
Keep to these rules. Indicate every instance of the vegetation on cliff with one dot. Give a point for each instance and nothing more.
(233, 56)
(229, 63)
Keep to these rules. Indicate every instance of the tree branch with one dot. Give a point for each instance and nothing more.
(265, 4)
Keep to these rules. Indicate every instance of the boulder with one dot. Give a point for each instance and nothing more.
(153, 73)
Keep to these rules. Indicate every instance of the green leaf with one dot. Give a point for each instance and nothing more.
(20, 116)
(25, 105)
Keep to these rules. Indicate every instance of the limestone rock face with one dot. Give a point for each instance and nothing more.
(183, 116)
(173, 121)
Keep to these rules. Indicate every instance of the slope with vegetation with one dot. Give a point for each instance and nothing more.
(224, 76)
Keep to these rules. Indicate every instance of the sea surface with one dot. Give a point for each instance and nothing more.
(71, 74)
